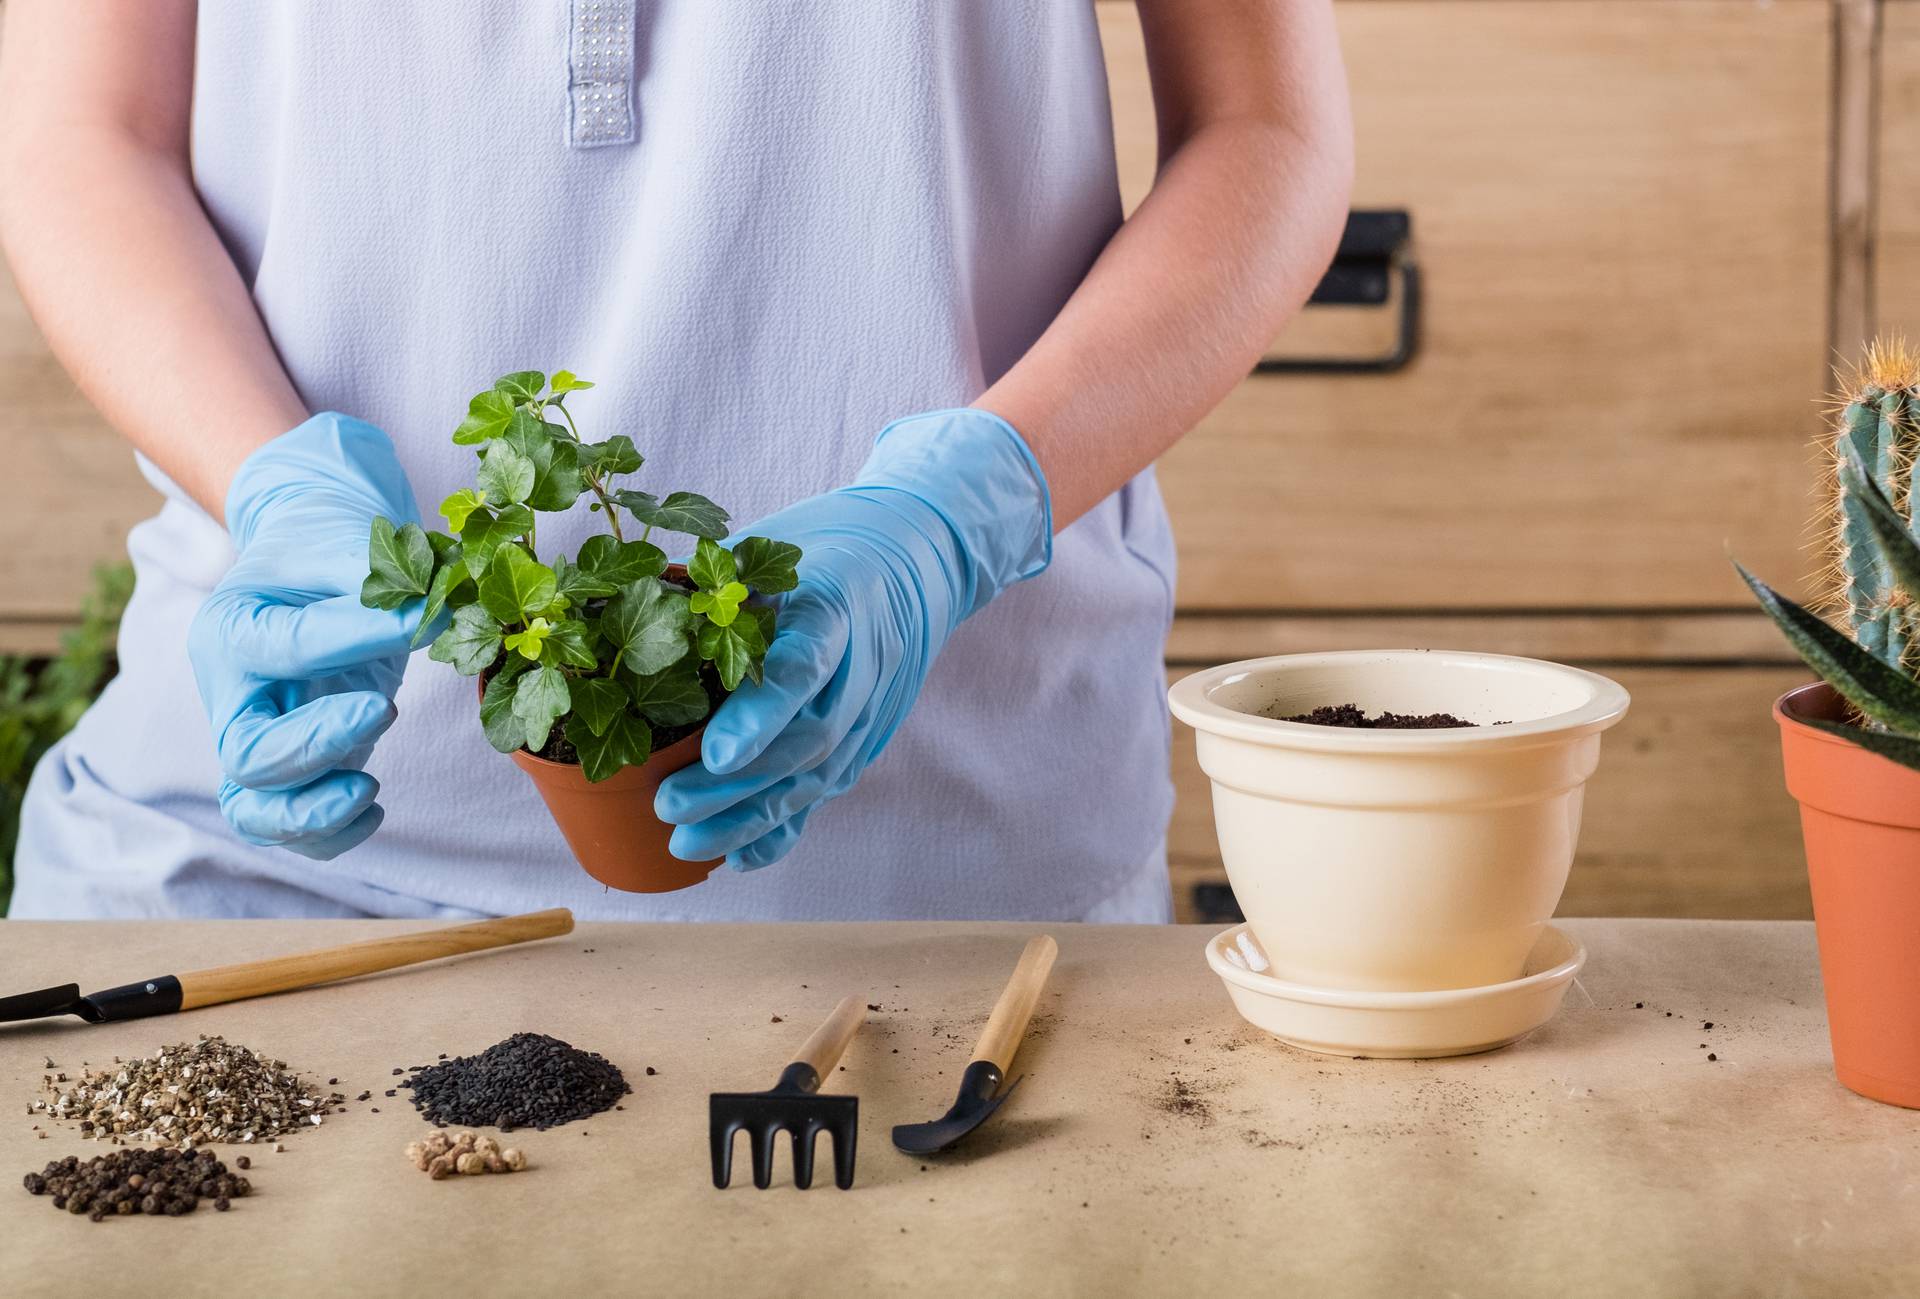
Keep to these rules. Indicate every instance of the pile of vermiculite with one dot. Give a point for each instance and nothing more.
(186, 1095)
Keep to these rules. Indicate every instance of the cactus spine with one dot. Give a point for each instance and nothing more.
(1880, 418)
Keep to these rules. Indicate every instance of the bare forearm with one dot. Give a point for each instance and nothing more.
(1241, 222)
(130, 284)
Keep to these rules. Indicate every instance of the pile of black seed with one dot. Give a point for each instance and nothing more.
(528, 1081)
(133, 1180)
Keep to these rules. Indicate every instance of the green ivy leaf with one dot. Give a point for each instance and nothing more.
(470, 643)
(769, 567)
(735, 650)
(578, 585)
(504, 731)
(647, 626)
(488, 415)
(673, 697)
(570, 644)
(399, 565)
(458, 506)
(685, 512)
(541, 698)
(621, 562)
(450, 579)
(596, 700)
(530, 643)
(557, 482)
(506, 474)
(617, 455)
(516, 586)
(1883, 694)
(626, 743)
(487, 531)
(711, 566)
(521, 385)
(567, 381)
(721, 606)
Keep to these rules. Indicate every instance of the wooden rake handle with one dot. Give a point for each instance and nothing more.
(285, 973)
(829, 1042)
(1008, 1024)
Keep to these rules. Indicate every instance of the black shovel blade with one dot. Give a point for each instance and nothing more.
(64, 1000)
(975, 1105)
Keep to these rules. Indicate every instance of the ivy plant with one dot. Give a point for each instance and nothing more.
(602, 656)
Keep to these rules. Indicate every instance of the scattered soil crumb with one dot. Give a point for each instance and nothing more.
(1262, 1141)
(1182, 1099)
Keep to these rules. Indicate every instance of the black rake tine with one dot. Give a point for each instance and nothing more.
(762, 1147)
(722, 1138)
(803, 1155)
(843, 1140)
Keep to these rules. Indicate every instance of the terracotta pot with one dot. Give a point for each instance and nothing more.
(611, 826)
(1860, 817)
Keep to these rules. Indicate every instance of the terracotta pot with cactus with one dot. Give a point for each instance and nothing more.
(1851, 741)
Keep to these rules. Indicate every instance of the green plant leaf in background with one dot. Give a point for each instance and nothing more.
(769, 567)
(488, 415)
(505, 732)
(570, 644)
(451, 582)
(617, 455)
(1878, 691)
(673, 697)
(626, 742)
(686, 512)
(505, 474)
(595, 701)
(621, 562)
(399, 564)
(1903, 749)
(516, 587)
(711, 566)
(565, 381)
(734, 649)
(647, 625)
(40, 702)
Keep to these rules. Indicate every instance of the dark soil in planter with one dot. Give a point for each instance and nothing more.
(1355, 717)
(558, 750)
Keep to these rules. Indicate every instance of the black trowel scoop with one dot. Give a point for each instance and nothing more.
(980, 1093)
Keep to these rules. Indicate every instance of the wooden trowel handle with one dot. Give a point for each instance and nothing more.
(829, 1042)
(1008, 1023)
(285, 973)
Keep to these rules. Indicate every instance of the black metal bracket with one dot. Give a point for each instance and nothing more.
(1375, 252)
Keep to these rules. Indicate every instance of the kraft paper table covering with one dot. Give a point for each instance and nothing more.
(1604, 1154)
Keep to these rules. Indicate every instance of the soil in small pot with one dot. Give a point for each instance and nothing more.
(1355, 717)
(557, 749)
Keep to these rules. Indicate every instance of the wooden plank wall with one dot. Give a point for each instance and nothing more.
(1644, 229)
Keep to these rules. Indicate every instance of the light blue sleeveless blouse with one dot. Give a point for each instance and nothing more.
(764, 230)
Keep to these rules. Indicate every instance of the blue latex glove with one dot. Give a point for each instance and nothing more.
(950, 510)
(297, 676)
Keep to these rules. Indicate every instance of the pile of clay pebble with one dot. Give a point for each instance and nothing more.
(443, 1154)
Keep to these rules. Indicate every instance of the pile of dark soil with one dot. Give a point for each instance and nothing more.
(1355, 717)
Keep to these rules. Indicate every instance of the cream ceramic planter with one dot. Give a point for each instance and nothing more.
(1398, 861)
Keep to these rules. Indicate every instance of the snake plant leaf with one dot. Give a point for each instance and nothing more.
(686, 512)
(1903, 749)
(767, 566)
(735, 649)
(625, 743)
(504, 731)
(647, 625)
(521, 385)
(516, 586)
(470, 643)
(1896, 543)
(541, 697)
(595, 702)
(505, 474)
(621, 562)
(673, 697)
(488, 530)
(488, 415)
(399, 565)
(1882, 693)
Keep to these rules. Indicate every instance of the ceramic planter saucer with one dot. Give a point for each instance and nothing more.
(1397, 1025)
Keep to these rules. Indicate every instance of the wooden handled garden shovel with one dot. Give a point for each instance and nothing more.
(980, 1093)
(174, 992)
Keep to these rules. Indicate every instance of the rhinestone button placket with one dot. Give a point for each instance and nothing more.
(600, 74)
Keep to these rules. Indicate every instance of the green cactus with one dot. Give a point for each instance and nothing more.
(1874, 587)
